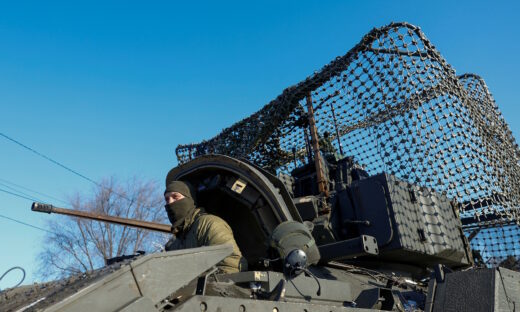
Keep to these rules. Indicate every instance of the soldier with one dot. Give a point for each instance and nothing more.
(193, 227)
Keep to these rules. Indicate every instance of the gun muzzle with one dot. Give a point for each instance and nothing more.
(40, 207)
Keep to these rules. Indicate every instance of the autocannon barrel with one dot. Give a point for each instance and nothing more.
(40, 207)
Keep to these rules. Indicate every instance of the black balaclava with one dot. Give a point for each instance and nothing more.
(179, 210)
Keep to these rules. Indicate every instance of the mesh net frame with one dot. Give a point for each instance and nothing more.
(396, 106)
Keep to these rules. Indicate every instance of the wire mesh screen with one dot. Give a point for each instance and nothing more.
(396, 106)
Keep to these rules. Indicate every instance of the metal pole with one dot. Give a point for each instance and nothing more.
(322, 183)
(336, 127)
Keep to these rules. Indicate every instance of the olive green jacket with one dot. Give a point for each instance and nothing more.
(201, 229)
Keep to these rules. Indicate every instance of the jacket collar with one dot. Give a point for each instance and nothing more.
(190, 219)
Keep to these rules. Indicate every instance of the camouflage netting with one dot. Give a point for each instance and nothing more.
(397, 106)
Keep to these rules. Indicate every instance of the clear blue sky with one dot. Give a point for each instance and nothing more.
(111, 88)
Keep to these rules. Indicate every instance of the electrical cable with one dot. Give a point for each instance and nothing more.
(48, 158)
(62, 165)
(318, 293)
(21, 222)
(18, 195)
(308, 272)
(30, 190)
(14, 268)
(20, 192)
(26, 224)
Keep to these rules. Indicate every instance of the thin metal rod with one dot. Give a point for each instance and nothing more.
(322, 183)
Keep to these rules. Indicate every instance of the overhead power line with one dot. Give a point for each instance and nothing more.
(18, 221)
(63, 166)
(18, 195)
(28, 189)
(26, 224)
(48, 158)
(19, 192)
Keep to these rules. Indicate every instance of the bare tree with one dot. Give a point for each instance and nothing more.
(79, 245)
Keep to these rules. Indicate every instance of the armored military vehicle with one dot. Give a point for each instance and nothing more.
(382, 182)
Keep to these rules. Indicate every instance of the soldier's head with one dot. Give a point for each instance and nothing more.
(180, 201)
(177, 190)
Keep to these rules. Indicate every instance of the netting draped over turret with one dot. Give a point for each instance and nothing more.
(396, 106)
